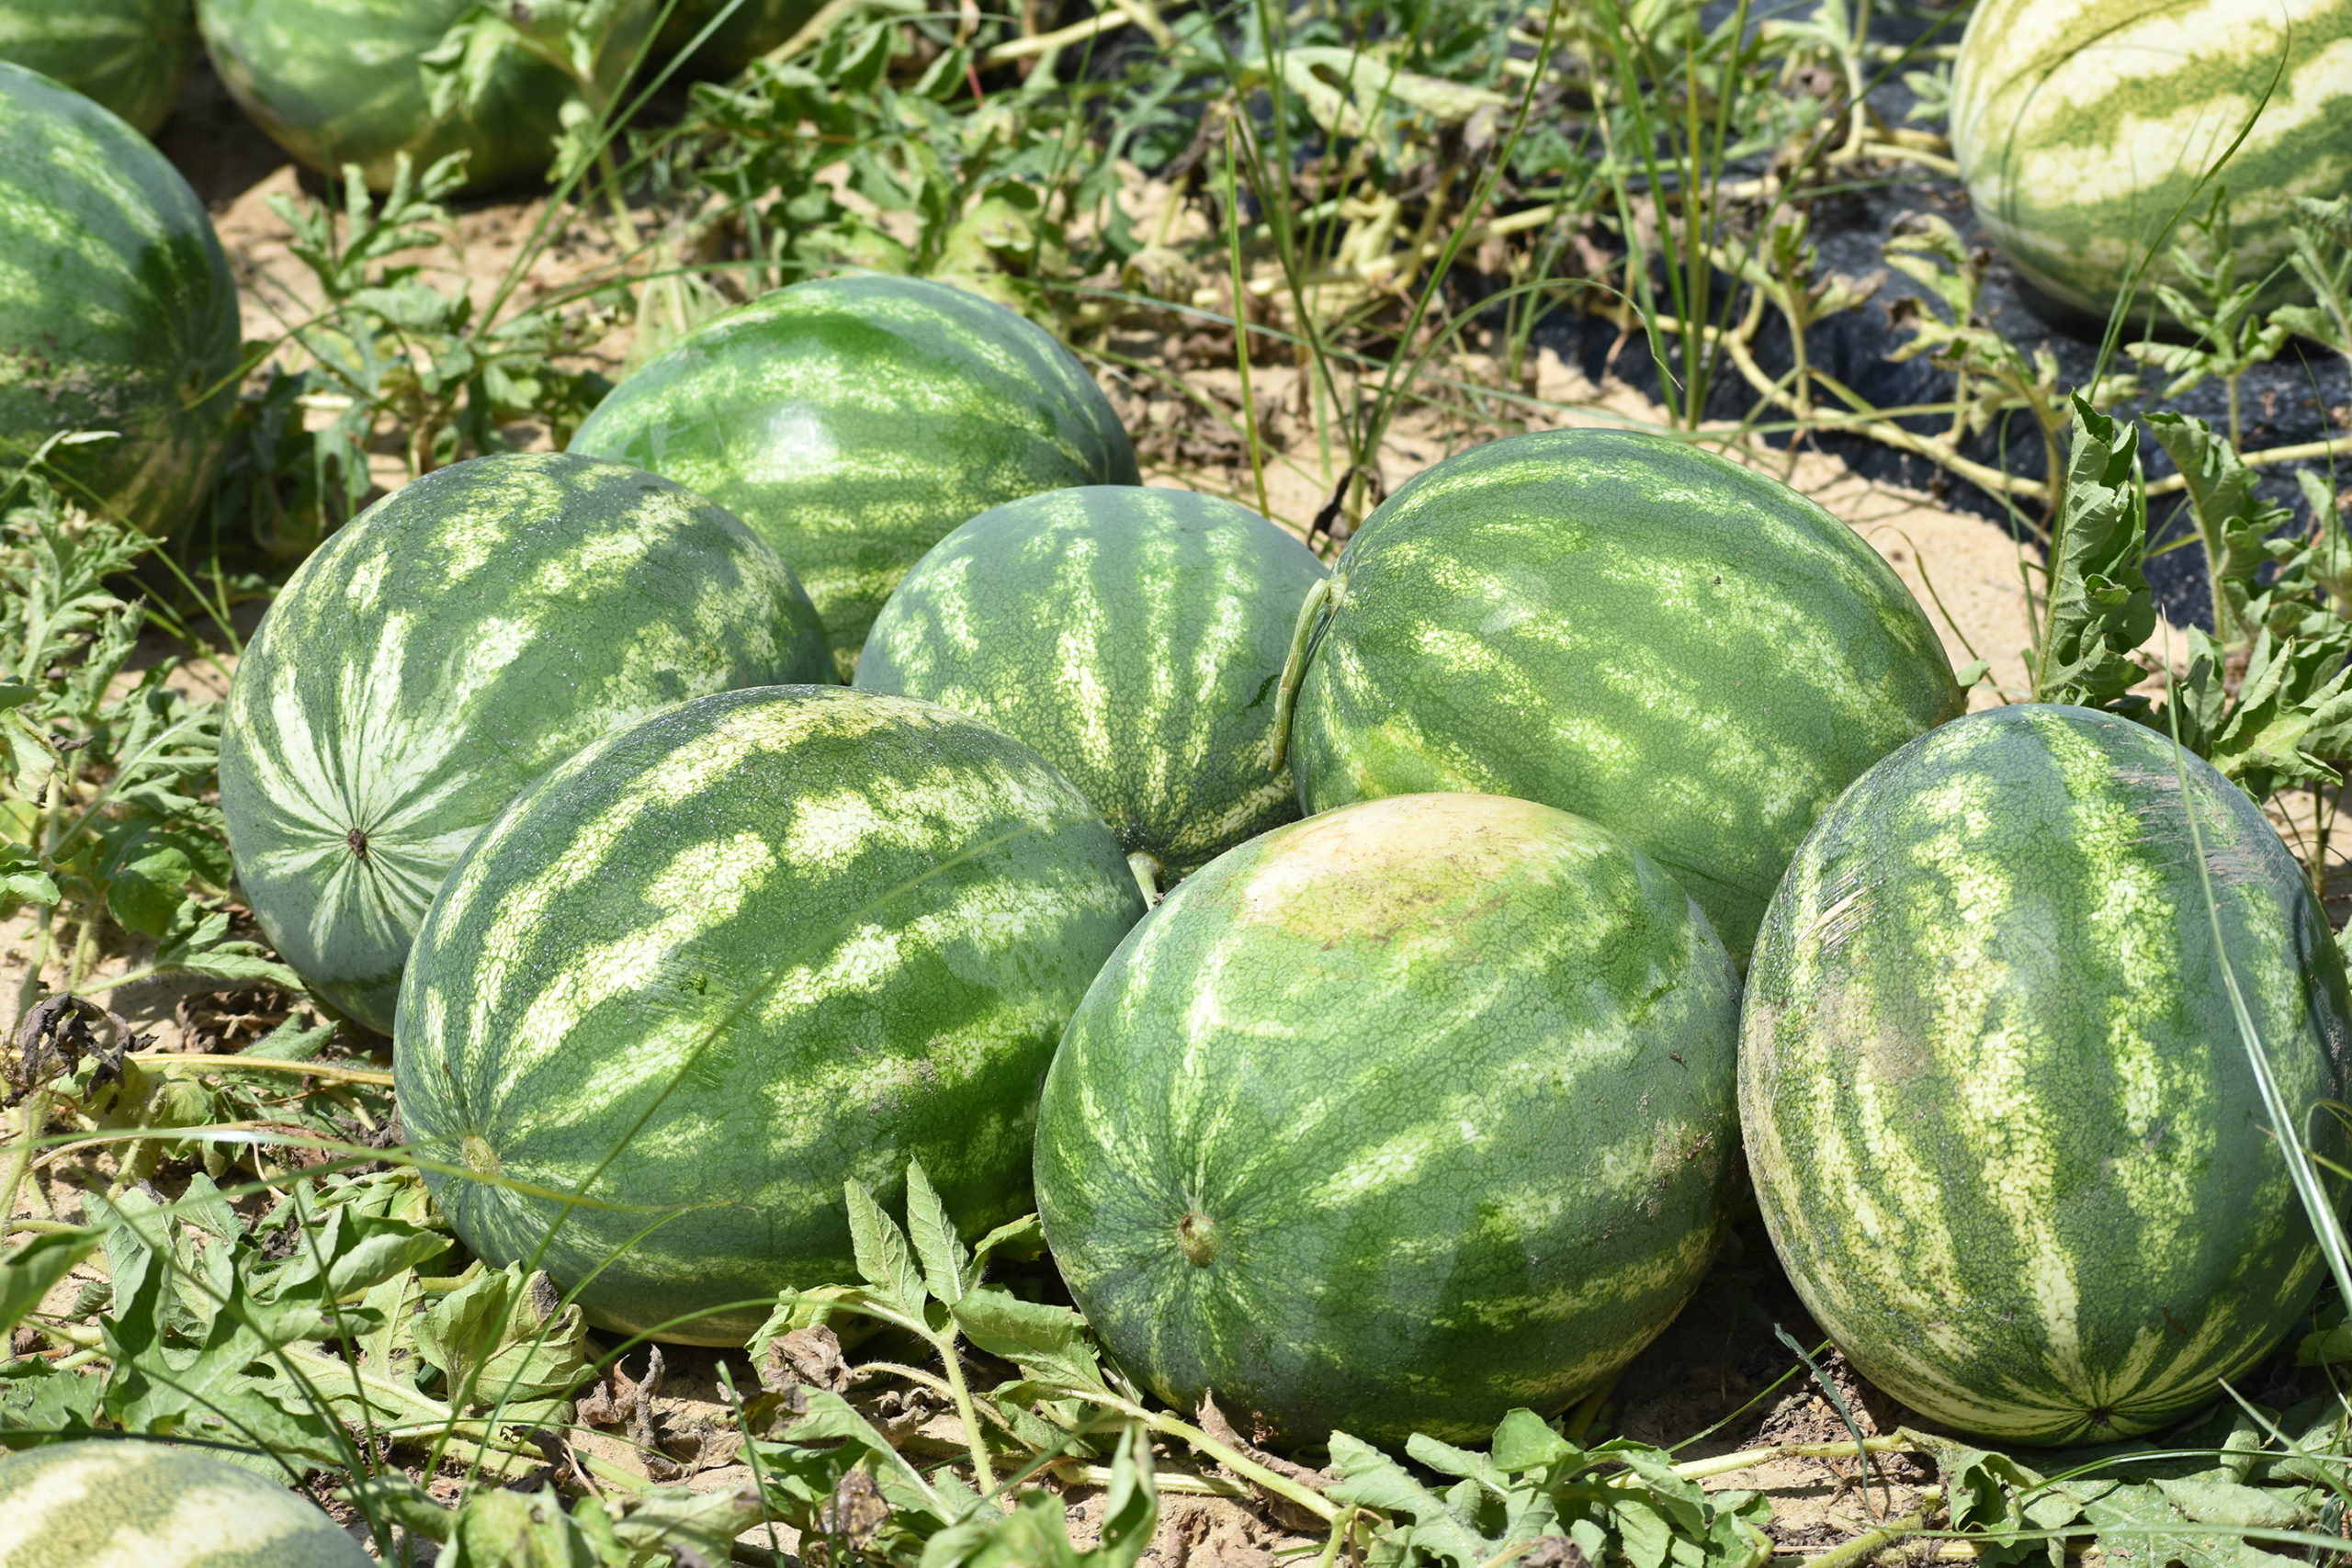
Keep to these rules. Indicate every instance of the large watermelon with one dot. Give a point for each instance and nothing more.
(1626, 627)
(2082, 127)
(758, 945)
(130, 55)
(125, 1504)
(455, 641)
(753, 28)
(337, 82)
(1134, 637)
(853, 421)
(2003, 1128)
(1395, 1119)
(117, 312)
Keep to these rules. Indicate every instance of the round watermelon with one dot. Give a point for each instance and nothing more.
(117, 312)
(99, 1504)
(130, 55)
(1134, 637)
(1395, 1120)
(456, 640)
(337, 82)
(712, 969)
(2003, 1128)
(1682, 649)
(2082, 128)
(853, 421)
(753, 28)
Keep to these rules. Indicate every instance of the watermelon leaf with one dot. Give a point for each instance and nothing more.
(945, 1261)
(2102, 608)
(880, 1248)
(2235, 522)
(27, 1274)
(2322, 259)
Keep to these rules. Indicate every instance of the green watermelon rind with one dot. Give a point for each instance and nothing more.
(73, 1505)
(2001, 1124)
(1627, 628)
(854, 422)
(1450, 1079)
(2082, 127)
(1135, 637)
(711, 968)
(446, 648)
(118, 314)
(337, 82)
(128, 55)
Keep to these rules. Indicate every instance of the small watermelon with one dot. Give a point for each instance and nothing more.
(853, 421)
(130, 55)
(1134, 637)
(711, 968)
(1626, 627)
(452, 643)
(2004, 1130)
(116, 310)
(99, 1504)
(754, 27)
(1396, 1119)
(2082, 128)
(337, 82)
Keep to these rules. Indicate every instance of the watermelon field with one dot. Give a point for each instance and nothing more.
(1017, 784)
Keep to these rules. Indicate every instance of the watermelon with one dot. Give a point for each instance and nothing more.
(749, 30)
(1625, 626)
(2083, 126)
(452, 643)
(1395, 1120)
(714, 967)
(1134, 637)
(117, 312)
(2004, 1131)
(337, 82)
(130, 55)
(853, 421)
(99, 1504)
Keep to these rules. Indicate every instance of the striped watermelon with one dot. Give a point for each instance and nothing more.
(750, 30)
(853, 421)
(97, 1504)
(130, 55)
(116, 310)
(2081, 127)
(760, 944)
(456, 640)
(1134, 637)
(1624, 626)
(1395, 1119)
(337, 82)
(2002, 1127)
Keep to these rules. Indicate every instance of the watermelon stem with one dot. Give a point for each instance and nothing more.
(1147, 871)
(1294, 671)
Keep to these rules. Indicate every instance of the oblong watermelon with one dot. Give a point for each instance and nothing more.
(2003, 1129)
(762, 943)
(1626, 627)
(130, 55)
(1134, 637)
(2082, 127)
(99, 1504)
(1395, 1119)
(853, 421)
(337, 82)
(750, 30)
(116, 310)
(449, 645)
